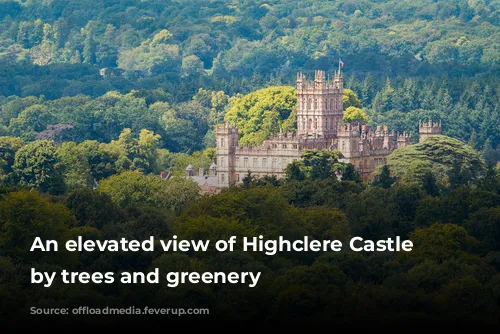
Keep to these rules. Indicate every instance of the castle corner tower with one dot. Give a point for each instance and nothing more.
(227, 141)
(427, 129)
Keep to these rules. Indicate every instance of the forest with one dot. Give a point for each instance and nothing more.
(98, 98)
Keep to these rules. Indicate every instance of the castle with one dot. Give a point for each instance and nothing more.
(320, 112)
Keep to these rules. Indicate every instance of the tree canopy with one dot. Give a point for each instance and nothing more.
(440, 155)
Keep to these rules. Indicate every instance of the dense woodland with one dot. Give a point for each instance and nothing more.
(98, 98)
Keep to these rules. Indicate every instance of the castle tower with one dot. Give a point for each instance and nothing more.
(227, 141)
(320, 108)
(426, 129)
(403, 140)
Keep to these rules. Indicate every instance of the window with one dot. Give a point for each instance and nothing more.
(222, 142)
(295, 146)
(326, 104)
(284, 146)
(255, 161)
(234, 144)
(245, 162)
(237, 161)
(315, 104)
(222, 179)
(315, 123)
(284, 163)
(303, 124)
(237, 177)
(327, 123)
(275, 162)
(274, 145)
(221, 162)
(264, 162)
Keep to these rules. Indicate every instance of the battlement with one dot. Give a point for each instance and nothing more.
(320, 82)
(429, 128)
(226, 128)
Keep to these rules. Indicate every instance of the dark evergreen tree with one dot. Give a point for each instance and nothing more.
(385, 180)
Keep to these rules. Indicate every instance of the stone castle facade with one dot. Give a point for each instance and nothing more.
(320, 125)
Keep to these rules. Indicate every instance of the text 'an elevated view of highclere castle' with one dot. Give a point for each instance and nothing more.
(320, 126)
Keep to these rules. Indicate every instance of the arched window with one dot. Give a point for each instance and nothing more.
(309, 125)
(315, 123)
(222, 142)
(315, 104)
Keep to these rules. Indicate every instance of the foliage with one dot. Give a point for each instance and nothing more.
(315, 165)
(131, 188)
(353, 114)
(262, 113)
(438, 155)
(35, 166)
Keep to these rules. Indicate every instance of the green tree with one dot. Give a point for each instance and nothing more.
(92, 208)
(441, 242)
(263, 113)
(25, 215)
(384, 179)
(439, 155)
(8, 148)
(131, 188)
(353, 114)
(35, 166)
(89, 47)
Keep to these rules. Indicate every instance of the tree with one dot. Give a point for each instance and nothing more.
(385, 180)
(319, 165)
(8, 148)
(35, 166)
(351, 174)
(89, 47)
(263, 113)
(350, 99)
(294, 171)
(25, 215)
(353, 114)
(473, 139)
(430, 184)
(438, 154)
(441, 242)
(92, 208)
(191, 66)
(74, 166)
(131, 188)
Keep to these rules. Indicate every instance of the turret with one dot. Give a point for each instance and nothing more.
(429, 128)
(189, 170)
(404, 139)
(227, 142)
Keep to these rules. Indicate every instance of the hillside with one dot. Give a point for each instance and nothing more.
(405, 60)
